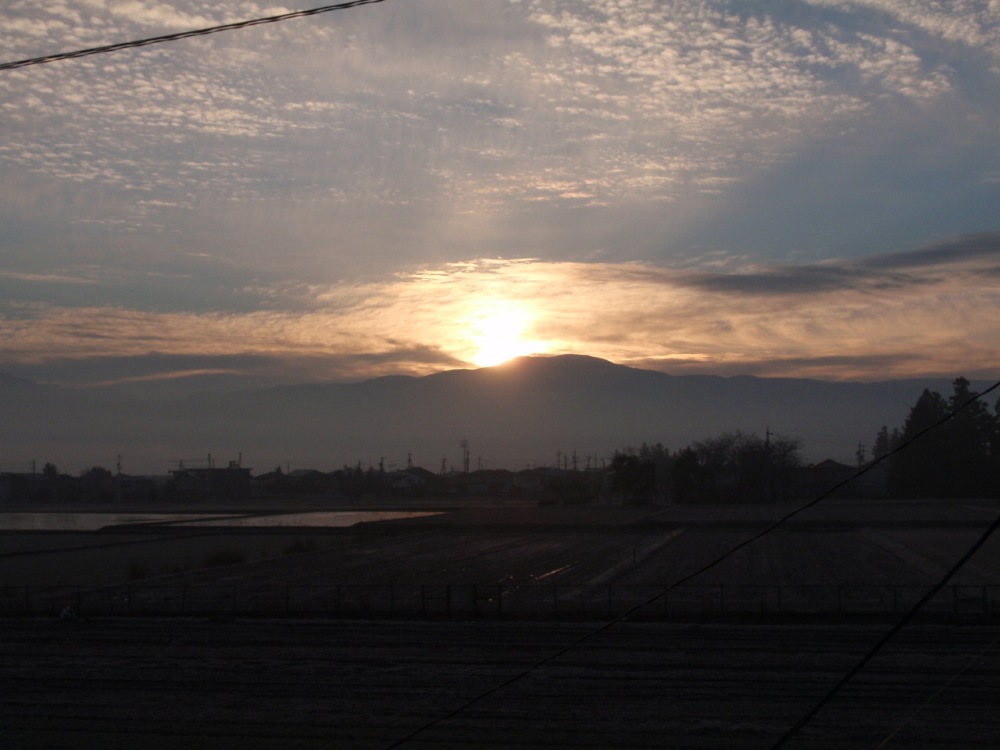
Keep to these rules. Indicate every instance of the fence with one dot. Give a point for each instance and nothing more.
(526, 601)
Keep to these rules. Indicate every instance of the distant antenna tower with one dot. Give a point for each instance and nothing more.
(464, 444)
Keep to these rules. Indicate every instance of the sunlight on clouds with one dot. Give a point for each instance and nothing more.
(497, 332)
(350, 147)
(869, 323)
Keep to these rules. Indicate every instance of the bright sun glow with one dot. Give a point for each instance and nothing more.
(498, 335)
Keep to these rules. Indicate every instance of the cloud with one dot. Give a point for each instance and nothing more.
(983, 248)
(718, 184)
(833, 320)
(499, 113)
(971, 255)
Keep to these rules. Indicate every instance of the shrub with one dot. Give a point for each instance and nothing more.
(298, 546)
(220, 557)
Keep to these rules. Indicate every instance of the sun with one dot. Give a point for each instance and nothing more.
(498, 335)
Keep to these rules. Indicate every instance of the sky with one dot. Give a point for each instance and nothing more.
(804, 188)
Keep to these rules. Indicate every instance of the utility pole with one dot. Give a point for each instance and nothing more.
(464, 444)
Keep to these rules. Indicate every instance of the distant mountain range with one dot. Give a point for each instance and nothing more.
(524, 412)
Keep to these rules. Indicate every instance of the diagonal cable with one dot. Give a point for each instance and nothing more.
(916, 712)
(931, 593)
(183, 35)
(726, 555)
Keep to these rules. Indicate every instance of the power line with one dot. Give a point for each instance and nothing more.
(937, 693)
(726, 555)
(183, 35)
(931, 593)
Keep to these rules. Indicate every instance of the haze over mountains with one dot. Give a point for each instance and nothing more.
(513, 415)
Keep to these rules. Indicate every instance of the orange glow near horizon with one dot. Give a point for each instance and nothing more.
(498, 335)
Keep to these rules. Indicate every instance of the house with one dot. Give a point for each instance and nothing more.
(821, 478)
(137, 489)
(216, 485)
(412, 480)
(19, 487)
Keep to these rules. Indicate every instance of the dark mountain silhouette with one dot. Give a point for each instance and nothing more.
(519, 413)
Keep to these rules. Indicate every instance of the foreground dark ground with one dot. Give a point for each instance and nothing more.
(230, 682)
(357, 684)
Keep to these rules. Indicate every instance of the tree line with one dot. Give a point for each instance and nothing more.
(958, 459)
(733, 467)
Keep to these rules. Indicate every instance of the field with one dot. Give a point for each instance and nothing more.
(229, 683)
(535, 561)
(369, 676)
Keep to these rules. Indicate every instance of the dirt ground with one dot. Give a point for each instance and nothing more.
(226, 682)
(319, 684)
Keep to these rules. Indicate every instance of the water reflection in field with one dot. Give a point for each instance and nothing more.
(325, 519)
(85, 521)
(95, 521)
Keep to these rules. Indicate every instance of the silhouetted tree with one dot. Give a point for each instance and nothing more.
(916, 471)
(885, 441)
(50, 481)
(959, 458)
(641, 476)
(97, 484)
(737, 466)
(690, 482)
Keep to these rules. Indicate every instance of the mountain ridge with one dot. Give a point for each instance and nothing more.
(521, 412)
